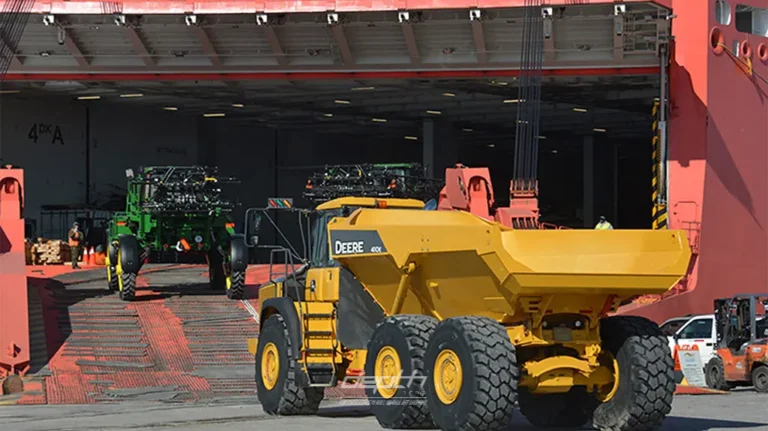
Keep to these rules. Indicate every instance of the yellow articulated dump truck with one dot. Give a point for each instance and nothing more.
(451, 321)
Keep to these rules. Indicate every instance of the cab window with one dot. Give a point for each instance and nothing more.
(670, 328)
(701, 328)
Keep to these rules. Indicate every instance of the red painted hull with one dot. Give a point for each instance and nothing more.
(718, 169)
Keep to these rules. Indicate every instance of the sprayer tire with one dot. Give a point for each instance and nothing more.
(237, 285)
(129, 286)
(646, 376)
(487, 395)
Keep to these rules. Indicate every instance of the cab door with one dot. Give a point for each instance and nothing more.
(699, 331)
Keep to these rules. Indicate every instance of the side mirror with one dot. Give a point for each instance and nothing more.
(255, 240)
(676, 337)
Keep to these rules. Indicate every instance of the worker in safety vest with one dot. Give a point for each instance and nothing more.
(76, 238)
(603, 224)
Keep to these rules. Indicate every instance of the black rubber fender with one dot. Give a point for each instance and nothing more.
(129, 250)
(284, 307)
(238, 253)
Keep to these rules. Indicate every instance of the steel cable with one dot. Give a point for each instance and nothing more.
(13, 20)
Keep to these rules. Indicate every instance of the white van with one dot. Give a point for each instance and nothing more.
(689, 330)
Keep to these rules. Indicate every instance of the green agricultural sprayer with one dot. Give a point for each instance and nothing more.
(176, 209)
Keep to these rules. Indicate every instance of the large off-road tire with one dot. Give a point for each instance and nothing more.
(397, 348)
(276, 371)
(111, 262)
(112, 281)
(236, 285)
(760, 378)
(127, 286)
(216, 275)
(646, 375)
(554, 410)
(714, 375)
(472, 375)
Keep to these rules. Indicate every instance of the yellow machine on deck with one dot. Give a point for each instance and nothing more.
(452, 321)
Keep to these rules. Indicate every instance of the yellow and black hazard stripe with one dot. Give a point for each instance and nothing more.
(659, 212)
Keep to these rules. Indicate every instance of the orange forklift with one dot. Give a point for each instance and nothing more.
(741, 358)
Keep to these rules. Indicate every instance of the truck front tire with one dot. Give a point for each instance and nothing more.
(276, 371)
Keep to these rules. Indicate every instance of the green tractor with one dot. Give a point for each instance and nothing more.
(177, 209)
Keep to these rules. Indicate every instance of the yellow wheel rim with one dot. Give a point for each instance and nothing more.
(109, 268)
(119, 270)
(229, 282)
(605, 393)
(448, 376)
(270, 366)
(388, 370)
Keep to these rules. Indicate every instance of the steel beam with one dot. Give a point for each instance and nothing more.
(478, 34)
(71, 46)
(274, 42)
(410, 42)
(343, 44)
(138, 46)
(208, 48)
(143, 7)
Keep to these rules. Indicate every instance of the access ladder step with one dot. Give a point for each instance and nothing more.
(319, 333)
(318, 315)
(319, 351)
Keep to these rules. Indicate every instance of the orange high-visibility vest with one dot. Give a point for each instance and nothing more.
(74, 238)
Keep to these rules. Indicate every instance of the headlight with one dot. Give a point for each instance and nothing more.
(198, 239)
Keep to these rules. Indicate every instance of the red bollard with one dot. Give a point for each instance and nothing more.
(14, 318)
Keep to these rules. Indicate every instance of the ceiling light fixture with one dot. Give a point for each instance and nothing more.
(342, 102)
(238, 105)
(170, 108)
(467, 130)
(449, 94)
(125, 96)
(411, 138)
(10, 91)
(363, 88)
(491, 145)
(542, 137)
(215, 114)
(512, 101)
(379, 120)
(579, 110)
(89, 98)
(328, 115)
(434, 112)
(599, 130)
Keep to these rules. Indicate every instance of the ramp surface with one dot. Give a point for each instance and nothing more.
(177, 342)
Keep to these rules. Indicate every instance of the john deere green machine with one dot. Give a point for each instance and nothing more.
(176, 209)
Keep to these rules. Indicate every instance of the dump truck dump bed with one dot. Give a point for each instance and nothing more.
(463, 264)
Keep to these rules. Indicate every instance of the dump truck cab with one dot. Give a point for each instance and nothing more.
(472, 316)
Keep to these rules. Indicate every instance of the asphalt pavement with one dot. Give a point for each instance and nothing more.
(740, 410)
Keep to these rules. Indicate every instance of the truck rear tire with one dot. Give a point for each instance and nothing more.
(472, 375)
(714, 375)
(398, 345)
(276, 372)
(554, 410)
(646, 375)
